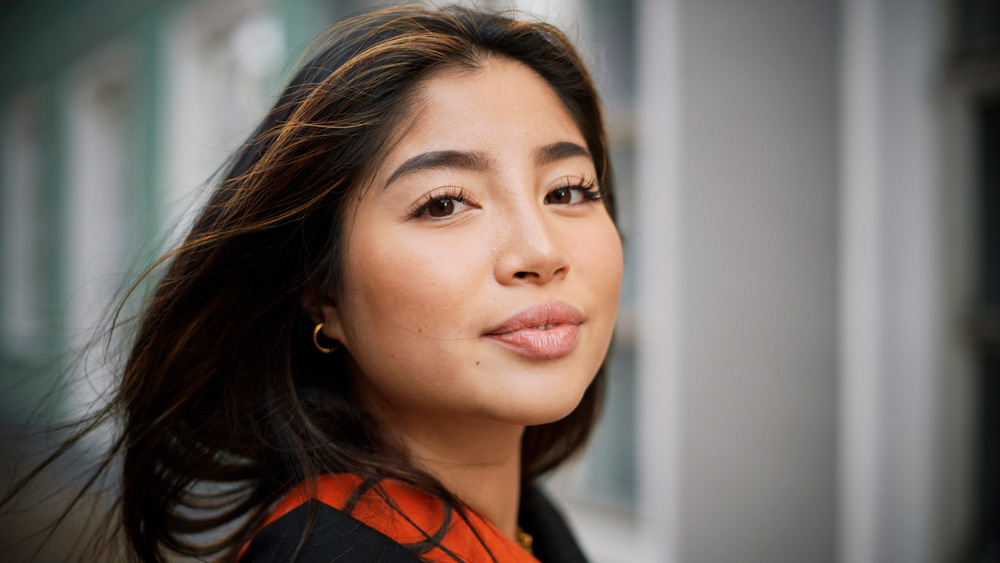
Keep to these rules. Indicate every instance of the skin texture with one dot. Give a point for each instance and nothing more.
(420, 292)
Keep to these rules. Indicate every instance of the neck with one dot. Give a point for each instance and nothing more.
(478, 461)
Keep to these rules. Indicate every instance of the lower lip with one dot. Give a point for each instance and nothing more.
(538, 343)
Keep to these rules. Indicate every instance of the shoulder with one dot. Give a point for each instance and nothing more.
(315, 532)
(553, 539)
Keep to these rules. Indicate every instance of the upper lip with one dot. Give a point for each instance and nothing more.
(539, 315)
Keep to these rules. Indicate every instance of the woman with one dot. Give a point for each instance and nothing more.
(391, 316)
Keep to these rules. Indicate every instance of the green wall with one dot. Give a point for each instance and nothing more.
(42, 44)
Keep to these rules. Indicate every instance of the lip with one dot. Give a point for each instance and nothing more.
(546, 330)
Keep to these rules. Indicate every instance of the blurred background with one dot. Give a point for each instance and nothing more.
(807, 364)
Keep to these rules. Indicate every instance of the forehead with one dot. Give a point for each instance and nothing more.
(499, 108)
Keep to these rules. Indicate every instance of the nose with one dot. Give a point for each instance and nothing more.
(532, 251)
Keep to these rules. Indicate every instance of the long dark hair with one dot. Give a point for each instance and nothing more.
(224, 402)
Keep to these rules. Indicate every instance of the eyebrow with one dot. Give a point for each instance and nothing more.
(560, 151)
(457, 160)
(479, 162)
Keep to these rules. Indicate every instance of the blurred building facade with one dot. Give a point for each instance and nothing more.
(805, 348)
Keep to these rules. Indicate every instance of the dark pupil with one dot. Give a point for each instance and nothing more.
(561, 195)
(441, 208)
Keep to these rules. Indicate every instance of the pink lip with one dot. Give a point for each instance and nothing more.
(546, 330)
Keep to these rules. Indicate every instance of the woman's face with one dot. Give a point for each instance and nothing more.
(481, 277)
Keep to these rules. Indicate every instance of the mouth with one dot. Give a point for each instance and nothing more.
(542, 331)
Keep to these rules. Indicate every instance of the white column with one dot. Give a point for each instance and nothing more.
(658, 233)
(22, 294)
(860, 330)
(891, 290)
(222, 57)
(100, 222)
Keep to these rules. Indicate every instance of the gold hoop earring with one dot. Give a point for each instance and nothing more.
(316, 343)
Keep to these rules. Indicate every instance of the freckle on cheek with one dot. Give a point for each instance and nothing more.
(477, 363)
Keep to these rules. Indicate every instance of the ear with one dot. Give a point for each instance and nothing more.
(321, 308)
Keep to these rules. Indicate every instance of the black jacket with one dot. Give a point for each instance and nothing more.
(336, 537)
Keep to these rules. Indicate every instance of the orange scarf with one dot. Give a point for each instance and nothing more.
(424, 515)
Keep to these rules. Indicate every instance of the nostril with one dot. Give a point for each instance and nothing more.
(521, 275)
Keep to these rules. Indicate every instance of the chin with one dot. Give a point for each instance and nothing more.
(538, 409)
(541, 400)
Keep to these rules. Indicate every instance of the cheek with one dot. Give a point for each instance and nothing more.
(410, 316)
(404, 290)
(601, 259)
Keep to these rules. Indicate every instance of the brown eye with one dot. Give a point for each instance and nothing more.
(442, 204)
(559, 195)
(441, 207)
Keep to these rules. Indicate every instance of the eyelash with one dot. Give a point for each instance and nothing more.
(591, 190)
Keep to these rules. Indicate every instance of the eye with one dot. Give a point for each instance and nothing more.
(573, 194)
(562, 196)
(440, 205)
